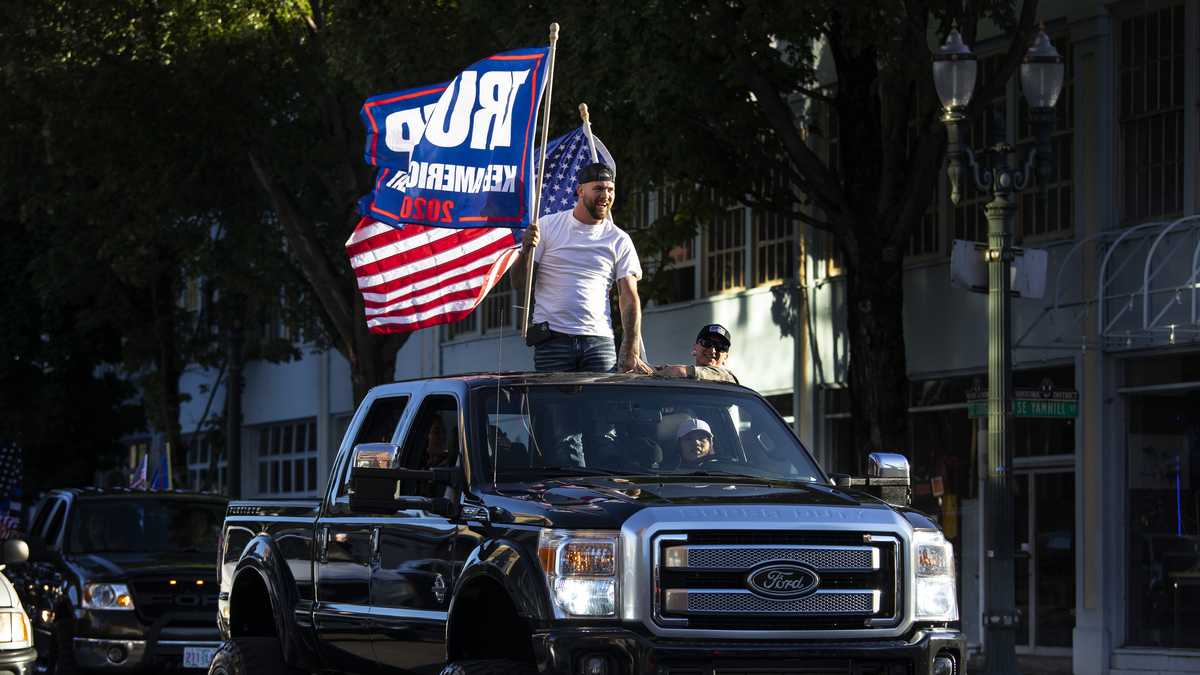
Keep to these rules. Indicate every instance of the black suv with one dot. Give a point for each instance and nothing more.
(122, 580)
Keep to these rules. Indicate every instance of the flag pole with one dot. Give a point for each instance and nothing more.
(587, 129)
(537, 196)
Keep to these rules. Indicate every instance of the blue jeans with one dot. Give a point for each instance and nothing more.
(576, 353)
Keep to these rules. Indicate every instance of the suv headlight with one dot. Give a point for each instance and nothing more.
(107, 596)
(15, 632)
(936, 598)
(582, 568)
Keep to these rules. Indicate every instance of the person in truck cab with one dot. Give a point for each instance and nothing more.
(436, 451)
(695, 443)
(710, 352)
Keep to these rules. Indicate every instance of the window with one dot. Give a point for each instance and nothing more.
(497, 306)
(43, 514)
(970, 221)
(287, 458)
(638, 212)
(494, 314)
(823, 129)
(725, 251)
(432, 438)
(432, 441)
(200, 454)
(925, 238)
(56, 522)
(1150, 89)
(467, 327)
(1163, 502)
(379, 426)
(774, 241)
(1051, 213)
(679, 274)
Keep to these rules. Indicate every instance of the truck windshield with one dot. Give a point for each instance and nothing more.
(541, 431)
(140, 525)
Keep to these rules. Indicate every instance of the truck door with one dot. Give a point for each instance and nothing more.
(346, 544)
(414, 573)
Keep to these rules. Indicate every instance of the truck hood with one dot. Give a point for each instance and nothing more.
(122, 566)
(604, 502)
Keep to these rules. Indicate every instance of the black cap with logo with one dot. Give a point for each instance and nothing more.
(595, 171)
(715, 331)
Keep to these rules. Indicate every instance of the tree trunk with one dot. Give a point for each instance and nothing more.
(164, 310)
(233, 409)
(373, 356)
(878, 377)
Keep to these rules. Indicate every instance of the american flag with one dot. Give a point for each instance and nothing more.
(11, 475)
(419, 276)
(416, 276)
(566, 155)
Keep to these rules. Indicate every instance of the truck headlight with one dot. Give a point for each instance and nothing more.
(107, 596)
(933, 562)
(14, 629)
(581, 571)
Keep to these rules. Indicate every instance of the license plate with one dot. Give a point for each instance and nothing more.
(198, 657)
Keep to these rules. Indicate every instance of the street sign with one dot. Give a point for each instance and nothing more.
(1045, 402)
(968, 269)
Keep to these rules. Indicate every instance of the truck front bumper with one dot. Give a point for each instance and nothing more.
(576, 651)
(17, 661)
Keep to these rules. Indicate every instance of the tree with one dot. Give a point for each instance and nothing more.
(112, 105)
(319, 61)
(719, 94)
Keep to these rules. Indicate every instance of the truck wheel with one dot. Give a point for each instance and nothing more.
(243, 656)
(61, 660)
(489, 667)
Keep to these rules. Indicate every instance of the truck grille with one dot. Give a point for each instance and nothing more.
(704, 580)
(187, 602)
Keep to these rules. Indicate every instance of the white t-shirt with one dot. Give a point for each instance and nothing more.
(577, 264)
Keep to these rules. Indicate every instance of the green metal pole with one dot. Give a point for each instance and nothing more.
(1000, 618)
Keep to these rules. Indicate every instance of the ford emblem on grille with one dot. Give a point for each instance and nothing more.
(783, 581)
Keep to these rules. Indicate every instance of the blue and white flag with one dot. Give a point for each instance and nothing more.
(137, 479)
(565, 156)
(159, 479)
(458, 154)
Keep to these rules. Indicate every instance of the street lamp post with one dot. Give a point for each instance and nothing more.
(954, 70)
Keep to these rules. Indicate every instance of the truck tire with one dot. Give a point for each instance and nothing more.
(489, 667)
(61, 661)
(243, 656)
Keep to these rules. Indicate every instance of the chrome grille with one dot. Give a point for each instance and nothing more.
(702, 581)
(820, 558)
(744, 602)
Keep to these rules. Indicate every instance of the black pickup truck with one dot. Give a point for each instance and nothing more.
(122, 580)
(585, 524)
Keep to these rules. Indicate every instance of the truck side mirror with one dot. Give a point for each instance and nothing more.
(888, 471)
(375, 490)
(375, 456)
(15, 551)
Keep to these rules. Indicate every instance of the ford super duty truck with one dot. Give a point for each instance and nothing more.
(585, 524)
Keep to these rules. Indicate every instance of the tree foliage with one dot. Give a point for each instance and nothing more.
(726, 95)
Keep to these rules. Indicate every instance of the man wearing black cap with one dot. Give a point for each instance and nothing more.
(710, 351)
(580, 255)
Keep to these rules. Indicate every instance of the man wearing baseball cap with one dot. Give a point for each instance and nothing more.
(581, 255)
(710, 352)
(695, 443)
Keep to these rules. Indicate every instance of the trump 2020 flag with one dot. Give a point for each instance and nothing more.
(422, 276)
(565, 156)
(458, 154)
(417, 276)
